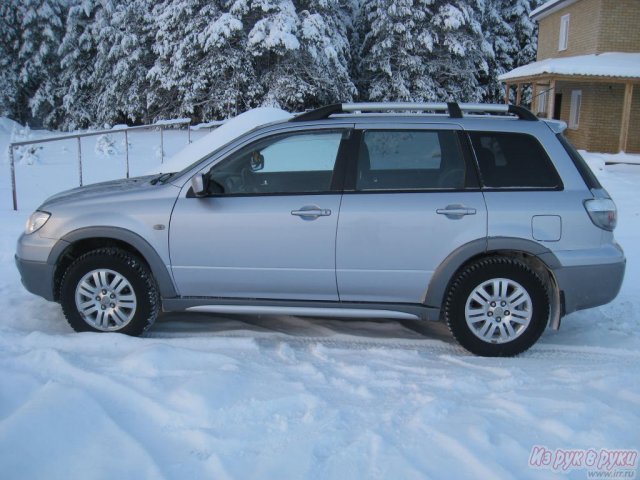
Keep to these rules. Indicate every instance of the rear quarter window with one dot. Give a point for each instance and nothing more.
(513, 160)
(581, 165)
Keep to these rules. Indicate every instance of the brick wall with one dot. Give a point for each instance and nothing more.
(580, 136)
(600, 116)
(619, 26)
(583, 30)
(633, 143)
(604, 109)
(595, 26)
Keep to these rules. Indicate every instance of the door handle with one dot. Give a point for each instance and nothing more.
(311, 211)
(456, 211)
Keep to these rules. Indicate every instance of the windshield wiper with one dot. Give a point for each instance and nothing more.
(162, 178)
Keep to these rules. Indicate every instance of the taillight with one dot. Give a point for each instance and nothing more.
(603, 213)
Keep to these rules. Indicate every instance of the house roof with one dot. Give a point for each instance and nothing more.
(610, 64)
(549, 7)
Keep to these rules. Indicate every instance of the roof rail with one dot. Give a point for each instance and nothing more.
(453, 109)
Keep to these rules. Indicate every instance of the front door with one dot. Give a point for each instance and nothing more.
(267, 228)
(411, 199)
(557, 106)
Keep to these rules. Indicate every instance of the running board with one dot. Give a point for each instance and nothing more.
(304, 311)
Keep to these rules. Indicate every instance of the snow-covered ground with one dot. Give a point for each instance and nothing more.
(284, 397)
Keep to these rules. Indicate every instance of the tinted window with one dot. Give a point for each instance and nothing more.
(513, 160)
(585, 172)
(293, 163)
(410, 160)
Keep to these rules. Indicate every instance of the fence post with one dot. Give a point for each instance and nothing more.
(161, 145)
(79, 159)
(189, 132)
(13, 178)
(126, 150)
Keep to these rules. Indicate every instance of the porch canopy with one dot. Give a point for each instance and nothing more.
(610, 67)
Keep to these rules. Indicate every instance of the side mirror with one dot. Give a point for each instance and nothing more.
(199, 185)
(257, 162)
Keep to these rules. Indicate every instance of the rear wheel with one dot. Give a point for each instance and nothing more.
(109, 290)
(497, 306)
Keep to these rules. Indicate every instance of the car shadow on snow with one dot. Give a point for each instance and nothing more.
(190, 323)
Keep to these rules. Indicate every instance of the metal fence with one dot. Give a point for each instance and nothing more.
(161, 126)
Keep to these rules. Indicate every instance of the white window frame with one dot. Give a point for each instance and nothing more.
(576, 107)
(563, 42)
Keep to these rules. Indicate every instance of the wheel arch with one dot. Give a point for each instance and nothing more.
(540, 259)
(80, 241)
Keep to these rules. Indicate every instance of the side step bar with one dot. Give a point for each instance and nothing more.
(304, 311)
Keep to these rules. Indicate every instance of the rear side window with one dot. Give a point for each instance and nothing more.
(410, 160)
(513, 160)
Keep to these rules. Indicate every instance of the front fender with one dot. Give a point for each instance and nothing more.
(158, 268)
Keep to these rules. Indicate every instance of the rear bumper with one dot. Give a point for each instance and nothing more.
(37, 277)
(591, 285)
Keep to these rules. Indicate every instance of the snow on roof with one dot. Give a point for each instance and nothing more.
(549, 7)
(612, 64)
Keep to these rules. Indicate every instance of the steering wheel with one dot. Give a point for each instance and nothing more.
(247, 181)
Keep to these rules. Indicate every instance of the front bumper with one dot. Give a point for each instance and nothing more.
(591, 285)
(37, 277)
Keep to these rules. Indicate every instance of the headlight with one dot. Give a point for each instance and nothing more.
(36, 221)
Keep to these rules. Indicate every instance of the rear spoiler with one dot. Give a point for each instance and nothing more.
(556, 126)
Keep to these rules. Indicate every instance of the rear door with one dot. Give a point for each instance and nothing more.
(411, 197)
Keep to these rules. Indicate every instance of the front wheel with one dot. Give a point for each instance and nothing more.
(109, 290)
(497, 306)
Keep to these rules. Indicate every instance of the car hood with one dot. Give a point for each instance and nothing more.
(104, 190)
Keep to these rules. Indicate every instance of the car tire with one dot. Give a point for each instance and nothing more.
(109, 290)
(496, 307)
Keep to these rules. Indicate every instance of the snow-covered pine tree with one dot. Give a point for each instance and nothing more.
(300, 50)
(457, 53)
(9, 64)
(228, 71)
(273, 41)
(499, 47)
(172, 61)
(202, 68)
(416, 50)
(123, 42)
(525, 28)
(325, 27)
(41, 30)
(138, 60)
(395, 39)
(510, 41)
(78, 56)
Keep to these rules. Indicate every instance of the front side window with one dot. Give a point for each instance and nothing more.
(301, 162)
(513, 160)
(410, 160)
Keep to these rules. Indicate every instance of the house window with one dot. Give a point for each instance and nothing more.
(543, 100)
(576, 104)
(564, 32)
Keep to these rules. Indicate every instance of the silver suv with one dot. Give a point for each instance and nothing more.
(483, 216)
